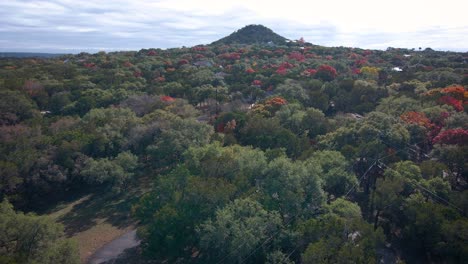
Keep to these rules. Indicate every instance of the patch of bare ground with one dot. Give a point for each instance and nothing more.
(96, 219)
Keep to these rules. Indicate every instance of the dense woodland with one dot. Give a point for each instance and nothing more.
(257, 153)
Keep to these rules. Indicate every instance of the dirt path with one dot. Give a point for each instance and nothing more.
(114, 248)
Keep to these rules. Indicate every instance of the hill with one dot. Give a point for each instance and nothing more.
(236, 153)
(252, 34)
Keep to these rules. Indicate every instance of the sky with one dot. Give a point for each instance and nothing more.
(72, 26)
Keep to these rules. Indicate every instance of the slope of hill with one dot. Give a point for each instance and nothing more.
(252, 34)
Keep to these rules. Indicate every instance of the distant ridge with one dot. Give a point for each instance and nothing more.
(252, 34)
(28, 55)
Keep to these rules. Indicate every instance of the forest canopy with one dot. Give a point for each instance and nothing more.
(281, 152)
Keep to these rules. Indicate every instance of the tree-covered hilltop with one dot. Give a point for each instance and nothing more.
(252, 34)
(290, 153)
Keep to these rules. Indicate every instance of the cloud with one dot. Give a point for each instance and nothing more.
(76, 25)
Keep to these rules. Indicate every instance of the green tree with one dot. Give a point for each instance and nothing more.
(237, 164)
(397, 106)
(115, 173)
(315, 123)
(335, 173)
(291, 117)
(175, 89)
(455, 158)
(170, 213)
(292, 188)
(28, 238)
(15, 107)
(292, 90)
(110, 129)
(278, 257)
(9, 178)
(176, 136)
(396, 184)
(423, 225)
(204, 76)
(340, 235)
(453, 246)
(267, 133)
(237, 230)
(368, 138)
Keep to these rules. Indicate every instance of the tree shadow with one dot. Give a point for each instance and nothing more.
(113, 209)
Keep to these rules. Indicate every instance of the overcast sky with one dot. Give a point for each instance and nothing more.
(93, 25)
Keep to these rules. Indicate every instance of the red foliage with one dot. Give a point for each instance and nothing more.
(367, 52)
(443, 116)
(127, 64)
(283, 68)
(220, 127)
(433, 92)
(457, 91)
(160, 79)
(286, 65)
(353, 56)
(151, 53)
(296, 56)
(199, 48)
(166, 98)
(89, 65)
(301, 40)
(326, 72)
(356, 71)
(416, 118)
(457, 136)
(282, 71)
(250, 70)
(329, 57)
(449, 100)
(182, 62)
(230, 56)
(309, 72)
(359, 63)
(199, 56)
(279, 51)
(230, 126)
(276, 101)
(391, 151)
(437, 124)
(257, 83)
(137, 74)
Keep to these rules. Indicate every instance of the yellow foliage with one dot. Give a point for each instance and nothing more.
(373, 71)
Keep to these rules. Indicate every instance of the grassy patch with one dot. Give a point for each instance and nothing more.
(96, 219)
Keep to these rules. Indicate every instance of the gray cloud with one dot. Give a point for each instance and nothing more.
(74, 26)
